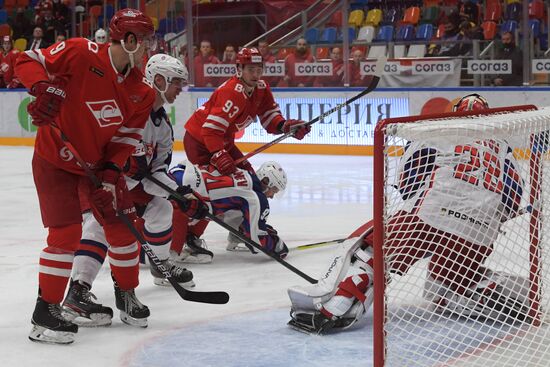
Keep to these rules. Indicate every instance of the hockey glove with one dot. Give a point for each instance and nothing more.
(47, 104)
(247, 167)
(297, 128)
(112, 196)
(223, 162)
(193, 208)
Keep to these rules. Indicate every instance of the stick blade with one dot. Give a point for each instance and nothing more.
(214, 297)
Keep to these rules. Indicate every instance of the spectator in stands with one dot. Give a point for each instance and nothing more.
(183, 54)
(229, 55)
(60, 38)
(21, 25)
(454, 41)
(8, 57)
(355, 77)
(469, 11)
(268, 58)
(301, 55)
(337, 77)
(37, 40)
(46, 21)
(509, 51)
(205, 56)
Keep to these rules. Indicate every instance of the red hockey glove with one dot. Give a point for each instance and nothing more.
(47, 104)
(247, 166)
(112, 196)
(223, 162)
(193, 208)
(297, 128)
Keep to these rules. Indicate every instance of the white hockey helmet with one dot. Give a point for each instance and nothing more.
(100, 36)
(276, 176)
(167, 66)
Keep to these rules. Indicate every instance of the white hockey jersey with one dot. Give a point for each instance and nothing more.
(467, 191)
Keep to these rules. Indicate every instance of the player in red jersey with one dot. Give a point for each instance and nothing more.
(8, 57)
(96, 97)
(210, 131)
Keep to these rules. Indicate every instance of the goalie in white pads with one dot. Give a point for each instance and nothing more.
(153, 156)
(240, 199)
(455, 227)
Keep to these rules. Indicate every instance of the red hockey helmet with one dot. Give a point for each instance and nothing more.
(249, 56)
(130, 21)
(471, 102)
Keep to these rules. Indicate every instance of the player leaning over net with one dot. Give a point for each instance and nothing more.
(210, 131)
(454, 206)
(240, 198)
(152, 156)
(99, 100)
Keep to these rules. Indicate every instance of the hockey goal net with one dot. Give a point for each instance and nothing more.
(461, 239)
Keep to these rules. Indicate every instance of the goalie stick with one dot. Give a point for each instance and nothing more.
(241, 237)
(188, 295)
(373, 84)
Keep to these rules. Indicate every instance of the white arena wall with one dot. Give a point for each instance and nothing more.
(349, 131)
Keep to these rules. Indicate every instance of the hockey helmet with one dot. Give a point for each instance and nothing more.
(471, 102)
(167, 66)
(276, 176)
(249, 56)
(100, 36)
(131, 21)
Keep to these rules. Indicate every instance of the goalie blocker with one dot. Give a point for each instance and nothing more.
(343, 295)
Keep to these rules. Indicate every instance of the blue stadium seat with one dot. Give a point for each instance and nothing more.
(390, 16)
(328, 35)
(405, 33)
(109, 11)
(3, 16)
(385, 34)
(351, 34)
(513, 11)
(534, 27)
(312, 36)
(509, 26)
(163, 26)
(180, 24)
(425, 32)
(1, 4)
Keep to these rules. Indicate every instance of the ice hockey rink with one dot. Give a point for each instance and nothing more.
(327, 198)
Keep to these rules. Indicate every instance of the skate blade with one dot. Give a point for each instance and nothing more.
(195, 259)
(95, 319)
(293, 324)
(237, 248)
(165, 283)
(41, 334)
(132, 321)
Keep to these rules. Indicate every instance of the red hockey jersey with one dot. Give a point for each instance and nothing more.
(229, 110)
(104, 112)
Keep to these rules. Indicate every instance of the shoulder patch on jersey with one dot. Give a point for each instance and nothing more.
(261, 84)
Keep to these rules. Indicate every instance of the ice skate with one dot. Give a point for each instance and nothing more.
(235, 244)
(194, 252)
(80, 308)
(49, 325)
(183, 276)
(132, 311)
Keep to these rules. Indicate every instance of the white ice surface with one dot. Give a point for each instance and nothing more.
(328, 197)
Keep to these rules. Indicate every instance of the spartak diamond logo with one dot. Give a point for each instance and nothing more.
(107, 113)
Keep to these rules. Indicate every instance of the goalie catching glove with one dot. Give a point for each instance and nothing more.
(193, 208)
(47, 105)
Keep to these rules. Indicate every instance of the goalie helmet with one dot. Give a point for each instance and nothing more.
(100, 36)
(276, 176)
(471, 102)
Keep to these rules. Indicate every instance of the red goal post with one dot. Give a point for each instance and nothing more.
(407, 329)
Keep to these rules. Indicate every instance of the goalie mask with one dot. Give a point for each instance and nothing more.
(100, 36)
(471, 102)
(170, 68)
(274, 177)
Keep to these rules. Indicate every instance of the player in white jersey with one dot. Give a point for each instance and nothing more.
(152, 156)
(240, 199)
(455, 203)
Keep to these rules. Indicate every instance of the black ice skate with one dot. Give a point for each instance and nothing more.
(132, 311)
(181, 275)
(310, 323)
(194, 252)
(49, 326)
(80, 308)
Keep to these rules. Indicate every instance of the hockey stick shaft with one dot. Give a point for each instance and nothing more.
(239, 235)
(319, 244)
(373, 84)
(203, 297)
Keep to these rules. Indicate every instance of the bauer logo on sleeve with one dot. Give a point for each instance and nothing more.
(107, 113)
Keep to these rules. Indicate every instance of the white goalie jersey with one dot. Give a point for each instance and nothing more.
(468, 190)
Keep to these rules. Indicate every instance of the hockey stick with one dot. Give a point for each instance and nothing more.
(373, 84)
(318, 244)
(239, 235)
(188, 295)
